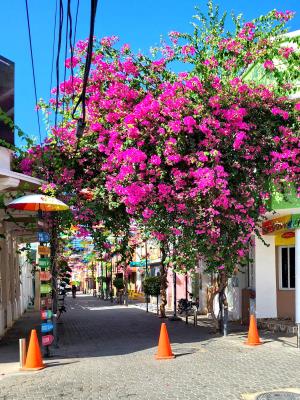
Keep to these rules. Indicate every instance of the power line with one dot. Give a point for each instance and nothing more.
(66, 38)
(75, 27)
(33, 72)
(53, 46)
(71, 39)
(88, 61)
(66, 51)
(61, 21)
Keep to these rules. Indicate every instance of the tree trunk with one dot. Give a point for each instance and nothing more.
(125, 284)
(53, 258)
(223, 303)
(125, 270)
(218, 287)
(164, 283)
(212, 291)
(54, 272)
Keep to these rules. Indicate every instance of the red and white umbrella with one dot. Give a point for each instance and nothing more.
(38, 202)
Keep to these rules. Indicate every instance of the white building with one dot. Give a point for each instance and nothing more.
(277, 267)
(15, 273)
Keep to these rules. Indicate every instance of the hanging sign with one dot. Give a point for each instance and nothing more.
(45, 288)
(276, 224)
(280, 224)
(47, 327)
(44, 250)
(45, 276)
(44, 263)
(46, 302)
(47, 340)
(46, 314)
(43, 237)
(139, 264)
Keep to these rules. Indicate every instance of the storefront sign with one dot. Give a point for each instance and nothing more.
(46, 314)
(45, 288)
(47, 327)
(279, 224)
(295, 222)
(287, 235)
(139, 263)
(276, 224)
(47, 340)
(44, 250)
(45, 276)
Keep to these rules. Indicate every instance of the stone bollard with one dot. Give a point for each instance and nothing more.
(22, 351)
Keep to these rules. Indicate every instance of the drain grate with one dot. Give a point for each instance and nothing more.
(279, 396)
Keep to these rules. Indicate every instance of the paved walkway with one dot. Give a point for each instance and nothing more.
(107, 352)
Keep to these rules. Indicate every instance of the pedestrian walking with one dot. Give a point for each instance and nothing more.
(74, 291)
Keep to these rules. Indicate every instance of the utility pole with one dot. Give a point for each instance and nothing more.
(111, 282)
(186, 297)
(106, 283)
(147, 298)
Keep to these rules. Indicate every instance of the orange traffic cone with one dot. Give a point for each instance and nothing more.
(253, 336)
(164, 348)
(34, 359)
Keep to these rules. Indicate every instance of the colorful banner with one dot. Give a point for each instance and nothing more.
(46, 302)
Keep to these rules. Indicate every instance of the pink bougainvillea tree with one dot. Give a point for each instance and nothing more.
(190, 156)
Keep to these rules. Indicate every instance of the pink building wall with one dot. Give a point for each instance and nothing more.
(180, 287)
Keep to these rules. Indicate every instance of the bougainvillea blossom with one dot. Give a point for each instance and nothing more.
(191, 156)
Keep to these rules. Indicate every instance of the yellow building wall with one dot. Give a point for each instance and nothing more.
(285, 298)
(280, 241)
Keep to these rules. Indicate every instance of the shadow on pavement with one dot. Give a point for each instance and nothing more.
(96, 328)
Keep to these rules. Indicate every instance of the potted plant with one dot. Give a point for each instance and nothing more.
(151, 287)
(119, 285)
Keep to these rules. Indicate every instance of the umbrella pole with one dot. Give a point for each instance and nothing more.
(40, 212)
(53, 248)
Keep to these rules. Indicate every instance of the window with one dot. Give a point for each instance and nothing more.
(287, 267)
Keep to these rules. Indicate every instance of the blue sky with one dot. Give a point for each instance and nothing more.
(137, 22)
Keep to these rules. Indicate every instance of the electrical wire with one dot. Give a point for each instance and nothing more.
(60, 28)
(33, 72)
(89, 54)
(88, 61)
(53, 46)
(75, 26)
(66, 52)
(70, 41)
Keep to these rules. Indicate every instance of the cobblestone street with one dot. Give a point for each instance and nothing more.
(107, 352)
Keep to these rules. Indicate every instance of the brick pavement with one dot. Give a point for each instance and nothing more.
(107, 352)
